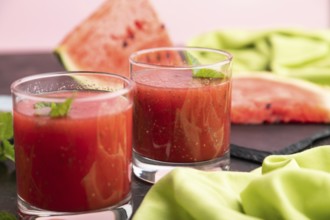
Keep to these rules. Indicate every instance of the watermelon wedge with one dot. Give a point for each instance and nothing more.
(268, 98)
(104, 41)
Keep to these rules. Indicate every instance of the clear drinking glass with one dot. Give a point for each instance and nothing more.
(73, 145)
(181, 110)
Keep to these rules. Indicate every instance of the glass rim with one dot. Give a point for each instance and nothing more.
(132, 57)
(105, 95)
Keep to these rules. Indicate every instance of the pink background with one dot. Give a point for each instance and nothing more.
(38, 25)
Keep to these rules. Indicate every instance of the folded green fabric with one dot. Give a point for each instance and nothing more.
(289, 52)
(286, 187)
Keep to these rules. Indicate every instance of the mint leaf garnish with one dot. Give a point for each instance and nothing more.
(208, 73)
(6, 216)
(191, 59)
(60, 109)
(6, 125)
(202, 73)
(56, 109)
(8, 150)
(40, 105)
(6, 134)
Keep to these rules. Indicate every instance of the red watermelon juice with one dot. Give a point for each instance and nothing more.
(178, 118)
(75, 163)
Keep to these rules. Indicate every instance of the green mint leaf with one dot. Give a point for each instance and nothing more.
(55, 110)
(40, 105)
(6, 216)
(8, 150)
(6, 126)
(208, 73)
(191, 59)
(6, 133)
(202, 73)
(60, 109)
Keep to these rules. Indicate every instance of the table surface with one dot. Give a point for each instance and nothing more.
(264, 137)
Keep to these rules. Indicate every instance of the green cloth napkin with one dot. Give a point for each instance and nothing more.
(289, 52)
(294, 187)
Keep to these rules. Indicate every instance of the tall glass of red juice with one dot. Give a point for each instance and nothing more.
(181, 110)
(73, 144)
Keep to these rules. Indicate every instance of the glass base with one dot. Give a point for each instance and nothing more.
(122, 211)
(153, 170)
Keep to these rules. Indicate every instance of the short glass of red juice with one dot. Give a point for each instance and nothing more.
(181, 110)
(73, 145)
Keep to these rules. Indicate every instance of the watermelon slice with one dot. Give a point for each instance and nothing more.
(104, 41)
(268, 98)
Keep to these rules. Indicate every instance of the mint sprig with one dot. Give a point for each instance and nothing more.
(208, 73)
(4, 215)
(55, 109)
(204, 72)
(6, 135)
(40, 105)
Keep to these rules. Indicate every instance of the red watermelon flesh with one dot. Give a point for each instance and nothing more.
(104, 41)
(263, 98)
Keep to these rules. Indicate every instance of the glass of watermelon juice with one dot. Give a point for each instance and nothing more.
(181, 110)
(73, 144)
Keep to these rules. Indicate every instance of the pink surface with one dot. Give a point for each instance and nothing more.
(40, 25)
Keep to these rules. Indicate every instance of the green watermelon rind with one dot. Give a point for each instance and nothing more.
(69, 65)
(65, 59)
(89, 82)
